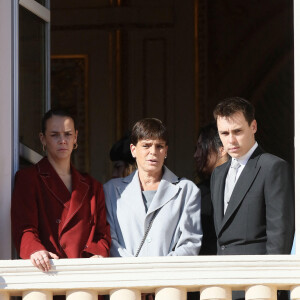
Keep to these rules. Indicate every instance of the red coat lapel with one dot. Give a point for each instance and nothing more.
(52, 181)
(74, 201)
(80, 189)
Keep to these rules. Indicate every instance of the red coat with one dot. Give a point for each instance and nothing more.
(45, 216)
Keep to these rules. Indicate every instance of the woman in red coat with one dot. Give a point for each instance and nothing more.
(58, 212)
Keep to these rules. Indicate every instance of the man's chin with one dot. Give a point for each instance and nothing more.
(234, 155)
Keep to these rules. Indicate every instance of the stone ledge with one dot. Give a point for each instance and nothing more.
(148, 273)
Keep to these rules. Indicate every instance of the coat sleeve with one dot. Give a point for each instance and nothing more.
(24, 214)
(190, 239)
(280, 208)
(116, 249)
(100, 240)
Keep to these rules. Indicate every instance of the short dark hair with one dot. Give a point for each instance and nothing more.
(232, 105)
(61, 112)
(149, 128)
(121, 150)
(209, 142)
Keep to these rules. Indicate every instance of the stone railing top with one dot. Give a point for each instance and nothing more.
(147, 273)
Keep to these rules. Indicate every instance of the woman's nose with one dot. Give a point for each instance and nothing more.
(62, 139)
(152, 150)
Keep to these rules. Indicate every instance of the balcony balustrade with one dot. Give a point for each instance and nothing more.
(170, 278)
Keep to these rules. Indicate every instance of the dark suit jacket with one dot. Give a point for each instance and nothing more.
(260, 215)
(209, 239)
(45, 216)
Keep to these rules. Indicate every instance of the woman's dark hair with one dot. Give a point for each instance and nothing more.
(209, 141)
(149, 128)
(56, 112)
(121, 150)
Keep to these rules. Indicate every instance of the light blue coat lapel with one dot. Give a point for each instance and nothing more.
(167, 190)
(132, 195)
(131, 199)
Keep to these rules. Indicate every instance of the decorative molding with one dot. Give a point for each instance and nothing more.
(148, 273)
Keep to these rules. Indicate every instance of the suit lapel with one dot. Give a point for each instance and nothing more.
(80, 190)
(52, 181)
(219, 186)
(242, 185)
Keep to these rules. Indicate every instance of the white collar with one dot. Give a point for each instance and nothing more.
(244, 159)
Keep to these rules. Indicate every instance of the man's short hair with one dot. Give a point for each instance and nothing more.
(232, 105)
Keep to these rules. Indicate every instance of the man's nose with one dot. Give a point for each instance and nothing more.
(232, 138)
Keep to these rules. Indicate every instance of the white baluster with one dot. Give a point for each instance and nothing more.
(215, 292)
(125, 294)
(4, 296)
(167, 293)
(37, 295)
(295, 293)
(261, 292)
(81, 295)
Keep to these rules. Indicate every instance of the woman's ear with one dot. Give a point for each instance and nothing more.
(76, 135)
(132, 149)
(42, 139)
(222, 152)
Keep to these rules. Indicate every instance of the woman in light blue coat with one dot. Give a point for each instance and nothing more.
(152, 212)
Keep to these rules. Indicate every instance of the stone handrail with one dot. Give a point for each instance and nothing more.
(168, 277)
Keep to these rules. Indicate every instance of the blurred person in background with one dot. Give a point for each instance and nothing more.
(120, 155)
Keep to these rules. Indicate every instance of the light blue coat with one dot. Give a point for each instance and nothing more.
(176, 229)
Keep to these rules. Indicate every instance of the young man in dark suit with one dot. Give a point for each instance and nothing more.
(253, 193)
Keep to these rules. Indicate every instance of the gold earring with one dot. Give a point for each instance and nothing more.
(75, 146)
(44, 148)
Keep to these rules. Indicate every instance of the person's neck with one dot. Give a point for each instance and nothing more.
(150, 180)
(62, 167)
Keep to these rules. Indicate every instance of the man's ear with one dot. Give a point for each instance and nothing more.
(254, 126)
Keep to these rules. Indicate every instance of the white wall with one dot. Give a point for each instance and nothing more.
(6, 150)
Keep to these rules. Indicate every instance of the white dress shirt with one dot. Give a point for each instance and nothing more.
(242, 161)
